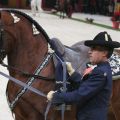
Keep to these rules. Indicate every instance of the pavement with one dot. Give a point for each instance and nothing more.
(69, 31)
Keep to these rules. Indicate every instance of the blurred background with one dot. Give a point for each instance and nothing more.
(105, 7)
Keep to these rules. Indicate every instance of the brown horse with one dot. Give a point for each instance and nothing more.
(26, 45)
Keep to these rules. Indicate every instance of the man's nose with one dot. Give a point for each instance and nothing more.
(90, 51)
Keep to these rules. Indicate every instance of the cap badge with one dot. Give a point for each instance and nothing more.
(106, 37)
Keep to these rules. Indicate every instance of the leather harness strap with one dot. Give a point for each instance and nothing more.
(23, 84)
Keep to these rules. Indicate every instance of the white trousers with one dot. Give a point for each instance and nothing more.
(36, 4)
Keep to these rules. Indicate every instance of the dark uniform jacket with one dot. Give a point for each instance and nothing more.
(93, 95)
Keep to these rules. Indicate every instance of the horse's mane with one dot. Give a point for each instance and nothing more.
(40, 29)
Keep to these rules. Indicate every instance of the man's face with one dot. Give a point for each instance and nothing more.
(97, 55)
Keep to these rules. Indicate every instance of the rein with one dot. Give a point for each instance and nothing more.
(26, 74)
(23, 84)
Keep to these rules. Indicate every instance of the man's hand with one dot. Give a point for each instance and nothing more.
(50, 95)
(69, 68)
(53, 96)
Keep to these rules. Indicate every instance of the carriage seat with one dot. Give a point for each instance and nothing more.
(115, 65)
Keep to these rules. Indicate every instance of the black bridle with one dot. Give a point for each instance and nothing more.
(2, 50)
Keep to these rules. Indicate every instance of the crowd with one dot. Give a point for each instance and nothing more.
(104, 7)
(101, 7)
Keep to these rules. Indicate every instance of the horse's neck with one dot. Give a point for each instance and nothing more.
(28, 52)
(25, 50)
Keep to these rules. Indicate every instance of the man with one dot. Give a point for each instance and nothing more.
(94, 91)
(36, 4)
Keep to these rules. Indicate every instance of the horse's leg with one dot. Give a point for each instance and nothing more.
(69, 11)
(115, 100)
(60, 14)
(62, 11)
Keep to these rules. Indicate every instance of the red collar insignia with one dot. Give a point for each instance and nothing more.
(89, 70)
